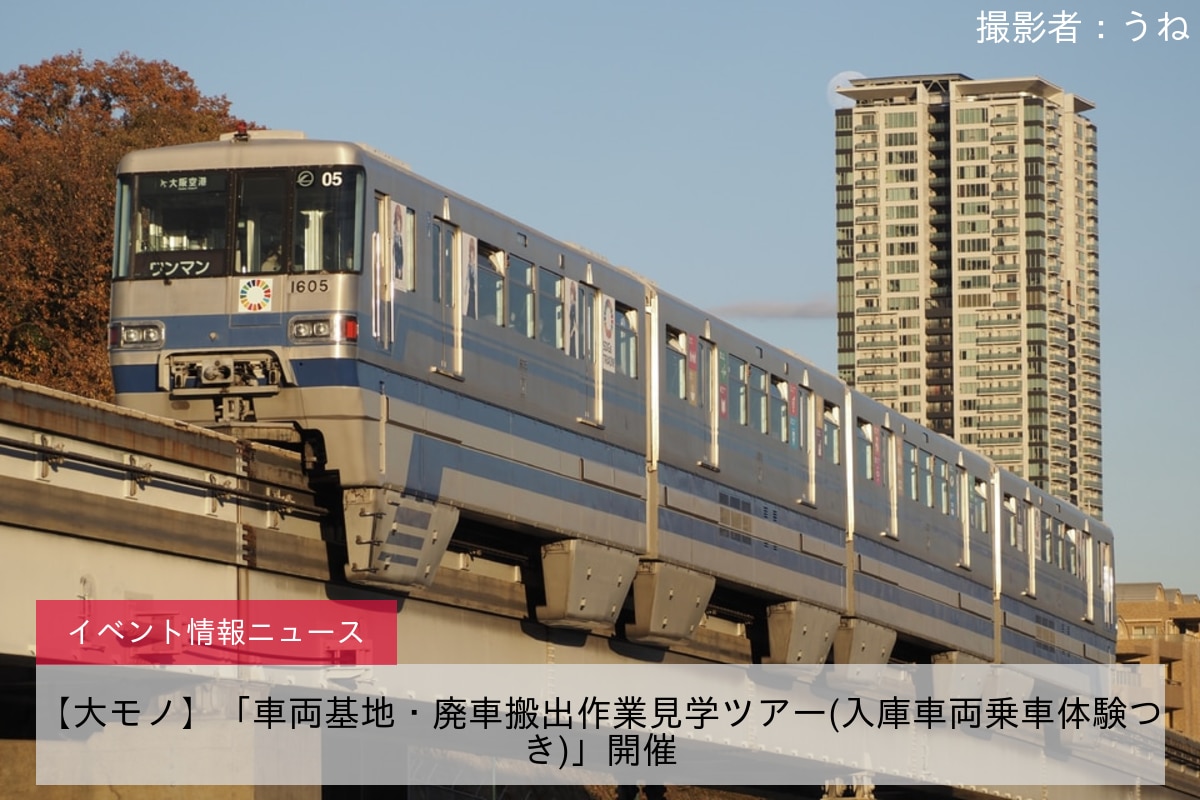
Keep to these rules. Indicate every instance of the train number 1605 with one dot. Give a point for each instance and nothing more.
(300, 286)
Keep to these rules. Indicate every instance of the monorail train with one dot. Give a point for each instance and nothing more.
(458, 371)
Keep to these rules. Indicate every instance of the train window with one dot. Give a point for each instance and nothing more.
(911, 479)
(779, 409)
(586, 318)
(941, 486)
(831, 434)
(183, 215)
(758, 398)
(1021, 523)
(1071, 551)
(1008, 520)
(520, 295)
(398, 245)
(864, 450)
(738, 397)
(884, 456)
(803, 402)
(953, 484)
(1047, 548)
(441, 262)
(926, 479)
(626, 340)
(979, 506)
(326, 220)
(489, 284)
(549, 308)
(1107, 585)
(675, 363)
(704, 356)
(259, 223)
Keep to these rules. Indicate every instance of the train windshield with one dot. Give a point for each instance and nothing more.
(200, 224)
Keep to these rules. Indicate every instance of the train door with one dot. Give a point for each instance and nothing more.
(444, 280)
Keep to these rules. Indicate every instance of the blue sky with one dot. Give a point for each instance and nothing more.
(693, 143)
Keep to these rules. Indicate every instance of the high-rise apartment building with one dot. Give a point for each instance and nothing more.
(968, 267)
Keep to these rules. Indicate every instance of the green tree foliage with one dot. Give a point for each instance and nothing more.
(64, 125)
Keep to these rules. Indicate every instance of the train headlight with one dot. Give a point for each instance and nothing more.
(132, 335)
(333, 329)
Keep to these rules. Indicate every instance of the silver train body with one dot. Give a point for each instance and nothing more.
(457, 370)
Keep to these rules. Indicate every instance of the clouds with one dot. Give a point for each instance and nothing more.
(824, 308)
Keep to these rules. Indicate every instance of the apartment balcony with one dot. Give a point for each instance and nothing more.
(867, 292)
(1006, 212)
(872, 327)
(877, 361)
(864, 218)
(1010, 119)
(882, 394)
(1007, 388)
(939, 163)
(998, 323)
(861, 146)
(883, 344)
(865, 199)
(867, 310)
(1001, 422)
(865, 128)
(867, 255)
(982, 373)
(870, 272)
(866, 182)
(998, 338)
(867, 237)
(1005, 138)
(1003, 355)
(1012, 405)
(872, 164)
(999, 157)
(877, 377)
(1004, 175)
(999, 440)
(1005, 230)
(1006, 304)
(1011, 267)
(1005, 193)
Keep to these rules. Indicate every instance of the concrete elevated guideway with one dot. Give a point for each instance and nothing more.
(100, 503)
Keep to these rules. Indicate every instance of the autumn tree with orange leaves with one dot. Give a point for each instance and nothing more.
(64, 125)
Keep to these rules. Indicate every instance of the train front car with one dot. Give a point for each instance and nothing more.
(239, 295)
(236, 278)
